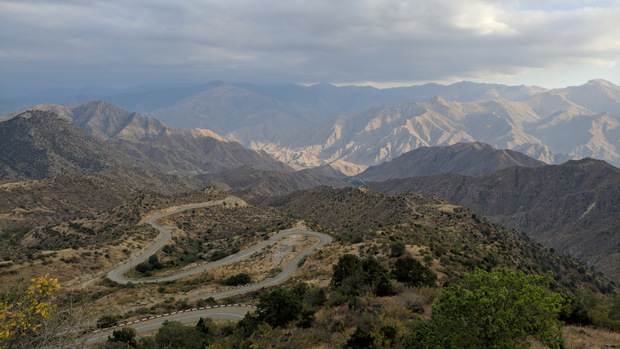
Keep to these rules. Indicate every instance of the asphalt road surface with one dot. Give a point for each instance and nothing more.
(235, 312)
(117, 274)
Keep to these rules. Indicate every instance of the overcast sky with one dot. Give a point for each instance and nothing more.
(122, 43)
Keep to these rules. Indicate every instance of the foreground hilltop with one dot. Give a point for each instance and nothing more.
(363, 284)
(359, 215)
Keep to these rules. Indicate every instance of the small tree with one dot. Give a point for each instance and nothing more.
(124, 335)
(360, 339)
(107, 321)
(492, 310)
(279, 307)
(347, 266)
(397, 248)
(206, 327)
(411, 272)
(236, 280)
(383, 286)
(172, 334)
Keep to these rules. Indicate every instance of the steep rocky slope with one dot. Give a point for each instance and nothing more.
(185, 151)
(176, 153)
(39, 144)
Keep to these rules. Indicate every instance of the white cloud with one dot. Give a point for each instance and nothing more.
(296, 41)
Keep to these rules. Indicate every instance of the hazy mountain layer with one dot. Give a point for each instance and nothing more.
(549, 126)
(571, 207)
(305, 126)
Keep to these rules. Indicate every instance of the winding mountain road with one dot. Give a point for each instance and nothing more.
(117, 274)
(233, 313)
(150, 324)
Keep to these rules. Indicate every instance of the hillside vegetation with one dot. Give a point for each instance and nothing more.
(455, 235)
(39, 144)
(371, 288)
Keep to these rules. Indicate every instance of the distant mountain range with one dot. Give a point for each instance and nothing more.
(249, 113)
(322, 101)
(364, 126)
(549, 126)
(571, 207)
(44, 142)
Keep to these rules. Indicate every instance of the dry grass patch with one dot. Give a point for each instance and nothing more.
(586, 338)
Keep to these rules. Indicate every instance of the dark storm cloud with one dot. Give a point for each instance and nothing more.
(130, 42)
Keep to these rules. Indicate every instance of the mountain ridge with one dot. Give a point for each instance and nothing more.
(538, 126)
(319, 124)
(473, 158)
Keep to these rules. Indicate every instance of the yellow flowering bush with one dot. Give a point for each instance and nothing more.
(27, 314)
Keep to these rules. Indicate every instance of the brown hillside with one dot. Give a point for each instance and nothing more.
(454, 234)
(249, 181)
(68, 196)
(38, 144)
(571, 207)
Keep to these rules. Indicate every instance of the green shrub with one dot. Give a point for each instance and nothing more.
(236, 280)
(492, 310)
(217, 255)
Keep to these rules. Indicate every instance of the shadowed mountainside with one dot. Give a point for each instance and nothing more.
(572, 207)
(250, 181)
(465, 158)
